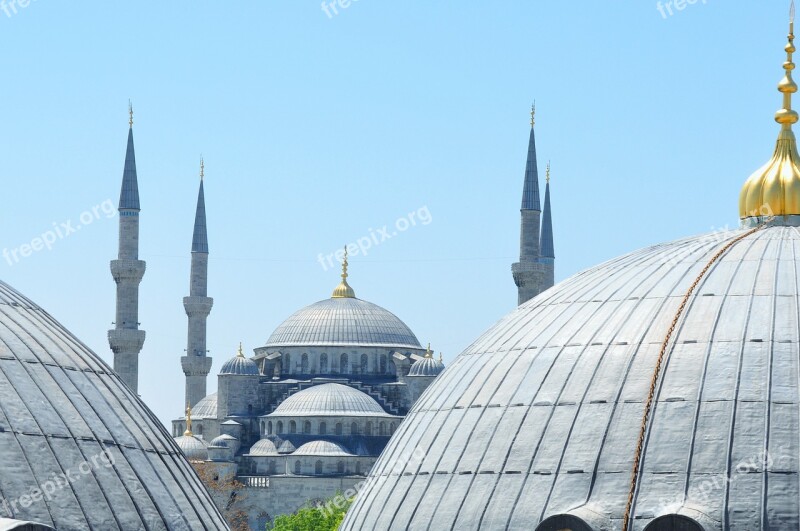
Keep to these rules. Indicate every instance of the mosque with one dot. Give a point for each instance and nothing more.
(657, 391)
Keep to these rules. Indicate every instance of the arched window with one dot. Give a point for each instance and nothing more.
(382, 429)
(383, 364)
(340, 467)
(297, 468)
(323, 363)
(354, 429)
(338, 428)
(392, 427)
(199, 429)
(304, 364)
(563, 521)
(673, 522)
(292, 426)
(343, 362)
(318, 468)
(280, 426)
(364, 364)
(287, 364)
(263, 427)
(323, 428)
(269, 428)
(368, 430)
(392, 368)
(307, 427)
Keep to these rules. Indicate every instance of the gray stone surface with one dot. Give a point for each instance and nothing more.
(539, 418)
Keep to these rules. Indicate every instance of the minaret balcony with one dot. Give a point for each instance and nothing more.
(127, 270)
(198, 306)
(126, 340)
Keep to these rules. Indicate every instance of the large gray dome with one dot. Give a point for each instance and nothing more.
(535, 426)
(330, 399)
(343, 321)
(63, 410)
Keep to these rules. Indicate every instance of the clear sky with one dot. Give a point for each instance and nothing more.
(318, 130)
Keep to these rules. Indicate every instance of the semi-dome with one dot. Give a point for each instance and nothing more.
(427, 366)
(330, 399)
(194, 448)
(263, 447)
(206, 408)
(322, 448)
(240, 365)
(541, 416)
(65, 411)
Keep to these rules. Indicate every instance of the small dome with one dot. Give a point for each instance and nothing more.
(206, 408)
(286, 448)
(343, 321)
(325, 448)
(264, 447)
(193, 448)
(240, 365)
(331, 399)
(224, 441)
(427, 366)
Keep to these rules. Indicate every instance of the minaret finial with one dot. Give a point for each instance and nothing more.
(130, 114)
(343, 290)
(533, 113)
(547, 174)
(241, 351)
(202, 168)
(188, 432)
(787, 116)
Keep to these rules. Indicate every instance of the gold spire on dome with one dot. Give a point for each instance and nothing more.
(774, 189)
(240, 353)
(343, 290)
(428, 352)
(130, 114)
(188, 432)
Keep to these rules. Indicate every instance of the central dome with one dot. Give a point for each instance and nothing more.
(343, 321)
(330, 399)
(536, 425)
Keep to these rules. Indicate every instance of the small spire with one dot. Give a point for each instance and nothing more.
(546, 247)
(428, 352)
(129, 194)
(533, 113)
(188, 432)
(200, 233)
(343, 290)
(130, 114)
(547, 174)
(241, 351)
(202, 168)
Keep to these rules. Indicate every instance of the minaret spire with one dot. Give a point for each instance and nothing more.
(548, 254)
(197, 364)
(126, 340)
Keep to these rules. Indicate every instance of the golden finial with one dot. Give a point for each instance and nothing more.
(343, 290)
(428, 352)
(533, 113)
(241, 352)
(202, 168)
(130, 114)
(547, 174)
(774, 189)
(188, 432)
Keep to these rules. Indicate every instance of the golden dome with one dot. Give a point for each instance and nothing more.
(343, 290)
(774, 190)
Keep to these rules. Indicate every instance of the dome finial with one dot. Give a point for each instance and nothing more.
(343, 290)
(188, 432)
(774, 189)
(429, 352)
(240, 353)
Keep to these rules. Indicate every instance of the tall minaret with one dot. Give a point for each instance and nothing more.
(196, 364)
(528, 271)
(126, 339)
(546, 248)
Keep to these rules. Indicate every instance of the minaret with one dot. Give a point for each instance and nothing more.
(126, 340)
(528, 271)
(546, 250)
(196, 364)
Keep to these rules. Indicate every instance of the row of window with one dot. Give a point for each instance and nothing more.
(369, 428)
(361, 366)
(272, 468)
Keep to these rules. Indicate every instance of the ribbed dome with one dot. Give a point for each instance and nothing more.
(60, 407)
(206, 408)
(426, 367)
(240, 365)
(224, 441)
(541, 415)
(330, 399)
(323, 448)
(343, 321)
(263, 447)
(193, 448)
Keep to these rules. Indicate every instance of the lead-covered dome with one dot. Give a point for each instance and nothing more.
(63, 410)
(541, 417)
(343, 321)
(239, 365)
(194, 448)
(331, 399)
(322, 448)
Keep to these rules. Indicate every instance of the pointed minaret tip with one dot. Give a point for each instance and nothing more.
(202, 168)
(547, 174)
(130, 114)
(533, 113)
(200, 235)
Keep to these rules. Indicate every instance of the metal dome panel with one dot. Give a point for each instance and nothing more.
(330, 399)
(541, 415)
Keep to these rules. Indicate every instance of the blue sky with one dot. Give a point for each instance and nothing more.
(317, 130)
